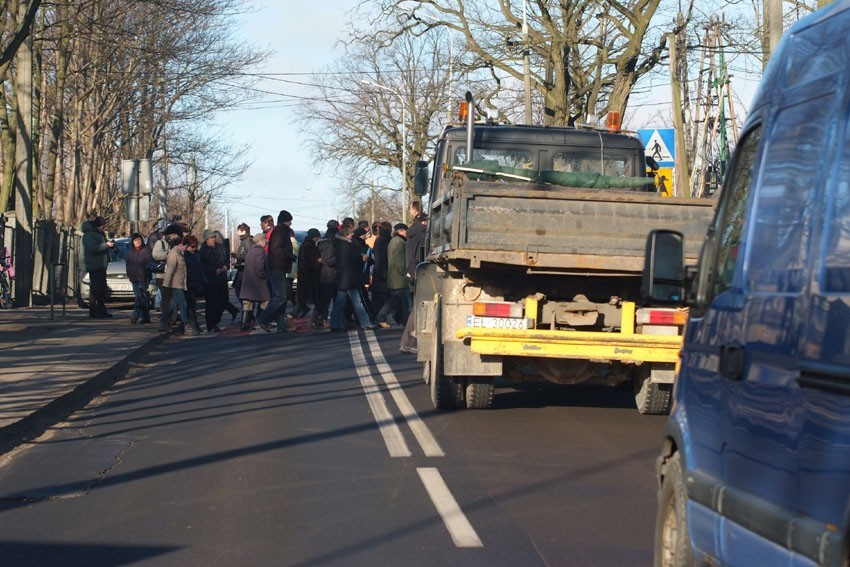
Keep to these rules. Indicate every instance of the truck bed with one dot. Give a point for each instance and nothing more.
(565, 229)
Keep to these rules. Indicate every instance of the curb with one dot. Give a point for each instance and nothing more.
(35, 424)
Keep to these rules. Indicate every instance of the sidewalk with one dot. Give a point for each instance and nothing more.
(51, 367)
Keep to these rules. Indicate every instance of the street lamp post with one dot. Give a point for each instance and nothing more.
(404, 192)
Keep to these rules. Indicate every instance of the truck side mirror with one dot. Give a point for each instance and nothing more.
(664, 268)
(420, 178)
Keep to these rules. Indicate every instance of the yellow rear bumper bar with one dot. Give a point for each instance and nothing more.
(625, 346)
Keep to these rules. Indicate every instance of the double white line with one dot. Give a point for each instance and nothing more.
(459, 527)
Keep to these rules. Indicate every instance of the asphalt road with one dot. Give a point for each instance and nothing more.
(323, 449)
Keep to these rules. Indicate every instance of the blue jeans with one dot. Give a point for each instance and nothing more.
(178, 301)
(343, 296)
(140, 292)
(277, 306)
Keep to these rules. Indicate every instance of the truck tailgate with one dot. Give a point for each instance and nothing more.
(572, 228)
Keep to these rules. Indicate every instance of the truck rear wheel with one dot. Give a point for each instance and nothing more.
(650, 398)
(479, 394)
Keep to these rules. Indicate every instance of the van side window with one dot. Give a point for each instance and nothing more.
(730, 214)
(784, 203)
(837, 258)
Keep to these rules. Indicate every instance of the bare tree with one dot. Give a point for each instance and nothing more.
(378, 109)
(15, 31)
(111, 77)
(201, 165)
(585, 56)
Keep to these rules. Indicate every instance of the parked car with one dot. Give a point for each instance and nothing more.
(755, 463)
(119, 288)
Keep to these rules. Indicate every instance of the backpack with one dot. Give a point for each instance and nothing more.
(160, 250)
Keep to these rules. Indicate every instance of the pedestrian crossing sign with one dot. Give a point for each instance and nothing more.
(659, 144)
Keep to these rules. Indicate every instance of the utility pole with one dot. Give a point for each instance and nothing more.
(772, 25)
(24, 250)
(680, 183)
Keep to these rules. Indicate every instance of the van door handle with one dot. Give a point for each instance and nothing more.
(732, 362)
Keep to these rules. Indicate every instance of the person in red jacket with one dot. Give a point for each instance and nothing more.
(278, 263)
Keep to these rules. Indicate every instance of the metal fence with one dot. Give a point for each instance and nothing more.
(56, 258)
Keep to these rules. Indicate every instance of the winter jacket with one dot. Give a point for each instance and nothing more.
(160, 249)
(196, 279)
(246, 242)
(327, 252)
(309, 272)
(347, 264)
(175, 270)
(95, 251)
(362, 250)
(415, 247)
(379, 253)
(396, 263)
(137, 264)
(280, 256)
(293, 271)
(255, 286)
(212, 259)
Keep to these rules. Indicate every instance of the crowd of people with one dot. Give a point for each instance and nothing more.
(356, 275)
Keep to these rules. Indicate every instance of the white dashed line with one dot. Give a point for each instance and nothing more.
(423, 435)
(462, 532)
(390, 431)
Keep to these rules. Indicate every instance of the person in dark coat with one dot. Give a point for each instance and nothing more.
(139, 275)
(309, 271)
(246, 241)
(398, 282)
(378, 290)
(255, 287)
(414, 249)
(348, 282)
(278, 262)
(196, 280)
(94, 260)
(417, 238)
(364, 255)
(327, 277)
(214, 259)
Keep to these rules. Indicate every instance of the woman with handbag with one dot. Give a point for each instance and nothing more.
(138, 260)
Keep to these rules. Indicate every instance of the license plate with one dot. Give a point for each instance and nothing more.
(121, 286)
(496, 322)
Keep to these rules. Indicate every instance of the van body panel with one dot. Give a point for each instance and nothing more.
(762, 401)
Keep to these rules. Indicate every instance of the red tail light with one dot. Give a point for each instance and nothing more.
(492, 309)
(661, 317)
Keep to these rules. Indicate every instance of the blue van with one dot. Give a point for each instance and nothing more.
(755, 463)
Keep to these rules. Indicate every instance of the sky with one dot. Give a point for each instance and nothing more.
(283, 175)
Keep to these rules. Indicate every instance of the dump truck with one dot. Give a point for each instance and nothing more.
(534, 261)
